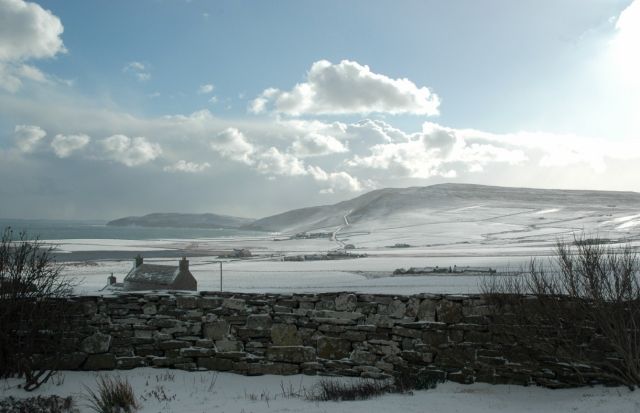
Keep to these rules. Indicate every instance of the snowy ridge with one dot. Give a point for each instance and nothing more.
(459, 201)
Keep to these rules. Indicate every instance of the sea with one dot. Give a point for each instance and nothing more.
(63, 229)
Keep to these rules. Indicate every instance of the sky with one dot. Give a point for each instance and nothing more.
(251, 108)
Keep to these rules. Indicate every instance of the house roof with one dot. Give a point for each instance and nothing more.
(153, 274)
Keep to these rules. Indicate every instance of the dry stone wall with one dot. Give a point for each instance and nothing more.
(449, 337)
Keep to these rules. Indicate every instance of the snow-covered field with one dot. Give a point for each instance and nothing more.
(480, 235)
(202, 392)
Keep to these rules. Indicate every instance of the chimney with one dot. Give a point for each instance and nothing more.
(139, 260)
(184, 264)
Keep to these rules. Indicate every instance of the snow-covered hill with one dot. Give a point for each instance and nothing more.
(454, 203)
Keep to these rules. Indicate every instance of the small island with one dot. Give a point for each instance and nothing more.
(176, 220)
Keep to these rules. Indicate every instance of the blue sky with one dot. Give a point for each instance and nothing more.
(250, 107)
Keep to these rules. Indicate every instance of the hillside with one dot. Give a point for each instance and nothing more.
(417, 205)
(176, 220)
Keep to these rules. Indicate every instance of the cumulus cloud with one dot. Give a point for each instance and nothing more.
(64, 145)
(130, 152)
(315, 144)
(232, 144)
(376, 131)
(185, 166)
(27, 137)
(348, 88)
(437, 151)
(336, 181)
(137, 69)
(259, 104)
(274, 162)
(205, 89)
(27, 31)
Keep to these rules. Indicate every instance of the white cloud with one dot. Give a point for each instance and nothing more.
(199, 117)
(376, 131)
(28, 137)
(348, 88)
(447, 152)
(130, 152)
(135, 66)
(377, 150)
(27, 31)
(31, 73)
(625, 45)
(65, 145)
(13, 74)
(9, 78)
(274, 162)
(315, 144)
(259, 104)
(337, 181)
(205, 89)
(137, 69)
(437, 151)
(185, 166)
(232, 144)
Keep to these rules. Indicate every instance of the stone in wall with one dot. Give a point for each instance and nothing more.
(96, 343)
(346, 302)
(216, 330)
(291, 354)
(285, 335)
(333, 348)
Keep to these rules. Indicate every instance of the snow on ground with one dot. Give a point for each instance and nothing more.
(366, 275)
(73, 245)
(547, 211)
(628, 224)
(200, 392)
(480, 235)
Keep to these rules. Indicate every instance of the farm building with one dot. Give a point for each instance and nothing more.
(160, 277)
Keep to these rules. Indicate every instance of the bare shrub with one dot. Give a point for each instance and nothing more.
(114, 395)
(587, 304)
(39, 404)
(34, 315)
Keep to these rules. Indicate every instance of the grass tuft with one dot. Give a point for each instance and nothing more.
(336, 390)
(114, 395)
(405, 381)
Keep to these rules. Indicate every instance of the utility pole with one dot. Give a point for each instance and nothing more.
(220, 262)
